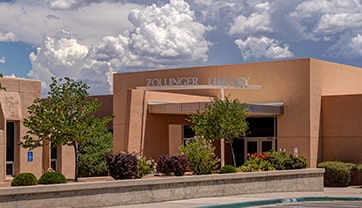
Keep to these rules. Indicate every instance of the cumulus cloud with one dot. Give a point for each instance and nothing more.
(7, 37)
(349, 47)
(254, 47)
(258, 21)
(32, 20)
(327, 17)
(166, 35)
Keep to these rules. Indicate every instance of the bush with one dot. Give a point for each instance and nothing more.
(256, 162)
(282, 161)
(338, 174)
(228, 169)
(122, 165)
(52, 178)
(169, 165)
(24, 179)
(144, 166)
(359, 168)
(92, 155)
(201, 156)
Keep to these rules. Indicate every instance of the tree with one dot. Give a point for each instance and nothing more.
(64, 118)
(222, 119)
(92, 155)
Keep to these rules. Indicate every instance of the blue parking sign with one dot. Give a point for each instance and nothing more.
(30, 156)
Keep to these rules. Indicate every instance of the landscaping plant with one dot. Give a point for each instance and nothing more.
(52, 178)
(273, 160)
(256, 162)
(122, 165)
(201, 156)
(169, 165)
(144, 166)
(24, 179)
(92, 154)
(228, 169)
(338, 174)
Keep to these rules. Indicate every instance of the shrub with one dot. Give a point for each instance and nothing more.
(169, 165)
(359, 168)
(52, 178)
(228, 169)
(24, 179)
(122, 165)
(280, 160)
(201, 156)
(144, 166)
(92, 155)
(338, 174)
(256, 162)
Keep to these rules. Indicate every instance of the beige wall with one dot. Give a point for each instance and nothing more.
(299, 84)
(342, 128)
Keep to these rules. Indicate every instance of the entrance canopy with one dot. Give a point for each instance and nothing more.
(254, 109)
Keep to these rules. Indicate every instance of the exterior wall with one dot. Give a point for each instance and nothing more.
(281, 81)
(342, 128)
(299, 84)
(15, 99)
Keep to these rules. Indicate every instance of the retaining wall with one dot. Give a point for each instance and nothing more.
(112, 193)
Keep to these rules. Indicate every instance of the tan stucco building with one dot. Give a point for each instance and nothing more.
(306, 106)
(298, 105)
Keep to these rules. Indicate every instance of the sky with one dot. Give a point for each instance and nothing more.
(90, 40)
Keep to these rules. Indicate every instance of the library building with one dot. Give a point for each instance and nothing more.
(307, 107)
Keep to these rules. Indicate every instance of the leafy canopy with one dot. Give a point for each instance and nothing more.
(223, 119)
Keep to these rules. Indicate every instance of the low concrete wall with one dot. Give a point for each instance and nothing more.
(111, 193)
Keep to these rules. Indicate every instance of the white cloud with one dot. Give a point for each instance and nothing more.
(33, 20)
(2, 60)
(256, 22)
(7, 37)
(349, 47)
(332, 23)
(254, 47)
(165, 35)
(321, 17)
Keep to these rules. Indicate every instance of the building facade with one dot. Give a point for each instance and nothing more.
(290, 104)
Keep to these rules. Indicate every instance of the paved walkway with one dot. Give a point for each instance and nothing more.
(352, 191)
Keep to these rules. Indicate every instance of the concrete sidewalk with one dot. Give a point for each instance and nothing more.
(351, 191)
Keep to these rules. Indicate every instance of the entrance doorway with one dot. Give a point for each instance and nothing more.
(261, 137)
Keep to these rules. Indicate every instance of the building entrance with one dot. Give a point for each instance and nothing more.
(261, 137)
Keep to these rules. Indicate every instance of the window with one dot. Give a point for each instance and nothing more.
(10, 148)
(54, 158)
(187, 133)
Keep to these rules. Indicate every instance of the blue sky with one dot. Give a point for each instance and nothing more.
(90, 40)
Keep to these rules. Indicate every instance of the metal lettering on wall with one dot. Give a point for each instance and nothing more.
(194, 81)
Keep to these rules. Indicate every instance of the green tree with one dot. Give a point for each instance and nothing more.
(223, 119)
(92, 155)
(66, 117)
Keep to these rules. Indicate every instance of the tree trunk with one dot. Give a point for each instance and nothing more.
(75, 146)
(232, 153)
